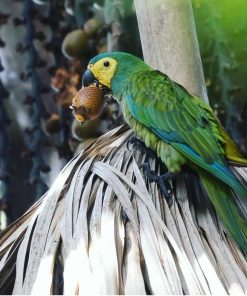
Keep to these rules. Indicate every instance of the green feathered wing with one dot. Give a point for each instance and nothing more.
(190, 126)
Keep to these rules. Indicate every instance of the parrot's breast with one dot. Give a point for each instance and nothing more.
(168, 155)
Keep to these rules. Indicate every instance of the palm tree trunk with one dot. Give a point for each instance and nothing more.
(169, 41)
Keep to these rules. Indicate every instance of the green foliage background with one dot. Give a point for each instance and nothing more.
(222, 32)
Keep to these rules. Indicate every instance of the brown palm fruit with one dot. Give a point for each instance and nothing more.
(53, 124)
(75, 44)
(92, 26)
(88, 103)
(90, 129)
(60, 79)
(64, 99)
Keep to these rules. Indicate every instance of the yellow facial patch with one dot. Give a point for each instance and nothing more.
(103, 70)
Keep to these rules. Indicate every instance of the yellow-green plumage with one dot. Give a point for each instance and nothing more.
(181, 129)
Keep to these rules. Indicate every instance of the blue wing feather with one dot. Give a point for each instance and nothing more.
(217, 169)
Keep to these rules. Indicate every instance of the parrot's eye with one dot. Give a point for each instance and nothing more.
(106, 64)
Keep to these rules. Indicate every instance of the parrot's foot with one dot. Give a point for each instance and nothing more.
(140, 145)
(162, 180)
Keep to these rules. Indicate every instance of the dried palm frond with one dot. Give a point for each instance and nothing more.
(103, 228)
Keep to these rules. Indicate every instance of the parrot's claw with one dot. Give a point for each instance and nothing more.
(162, 180)
(140, 145)
(135, 142)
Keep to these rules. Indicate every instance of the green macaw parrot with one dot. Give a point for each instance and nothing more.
(180, 128)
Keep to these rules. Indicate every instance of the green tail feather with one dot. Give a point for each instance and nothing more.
(222, 198)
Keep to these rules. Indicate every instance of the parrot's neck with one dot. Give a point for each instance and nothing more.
(123, 75)
(118, 86)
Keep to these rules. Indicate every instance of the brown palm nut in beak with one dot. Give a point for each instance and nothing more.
(88, 103)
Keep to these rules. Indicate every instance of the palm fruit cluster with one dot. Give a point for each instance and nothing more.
(78, 45)
(45, 47)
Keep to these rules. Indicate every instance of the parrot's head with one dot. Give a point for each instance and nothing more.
(112, 70)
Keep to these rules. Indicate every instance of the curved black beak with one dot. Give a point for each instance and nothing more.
(88, 78)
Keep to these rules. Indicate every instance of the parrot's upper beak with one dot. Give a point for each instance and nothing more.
(88, 78)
